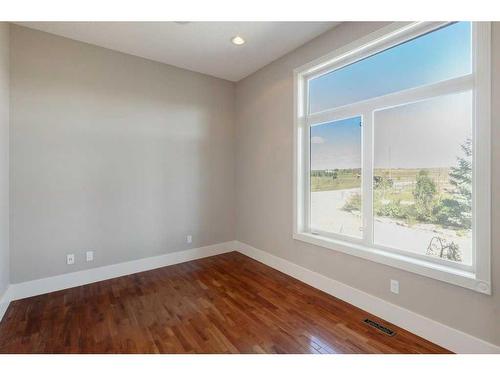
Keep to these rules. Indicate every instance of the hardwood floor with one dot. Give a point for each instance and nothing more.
(223, 304)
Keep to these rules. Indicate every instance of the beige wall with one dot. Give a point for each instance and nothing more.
(264, 188)
(4, 156)
(115, 154)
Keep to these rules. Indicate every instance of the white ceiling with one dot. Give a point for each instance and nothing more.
(203, 47)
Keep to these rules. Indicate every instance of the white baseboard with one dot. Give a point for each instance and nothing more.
(443, 335)
(450, 338)
(70, 280)
(4, 303)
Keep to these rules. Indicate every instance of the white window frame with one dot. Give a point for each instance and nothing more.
(476, 277)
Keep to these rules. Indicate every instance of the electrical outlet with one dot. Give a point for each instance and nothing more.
(90, 256)
(189, 239)
(395, 286)
(70, 258)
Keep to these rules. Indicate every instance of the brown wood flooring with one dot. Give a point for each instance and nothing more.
(223, 304)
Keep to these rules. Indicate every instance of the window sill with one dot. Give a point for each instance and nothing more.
(421, 267)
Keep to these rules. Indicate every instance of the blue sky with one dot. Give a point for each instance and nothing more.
(437, 56)
(336, 144)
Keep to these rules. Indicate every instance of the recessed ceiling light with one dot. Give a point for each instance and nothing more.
(238, 40)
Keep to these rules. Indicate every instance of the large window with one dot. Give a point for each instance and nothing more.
(392, 150)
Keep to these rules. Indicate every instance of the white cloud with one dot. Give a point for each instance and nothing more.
(317, 140)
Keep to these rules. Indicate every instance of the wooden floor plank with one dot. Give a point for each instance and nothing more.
(228, 303)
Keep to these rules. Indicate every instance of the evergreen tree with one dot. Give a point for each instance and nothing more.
(461, 179)
(457, 210)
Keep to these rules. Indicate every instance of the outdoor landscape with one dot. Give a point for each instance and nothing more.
(423, 210)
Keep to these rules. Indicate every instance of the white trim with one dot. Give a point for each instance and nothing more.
(422, 267)
(370, 44)
(476, 276)
(4, 303)
(482, 151)
(439, 333)
(395, 99)
(450, 338)
(73, 279)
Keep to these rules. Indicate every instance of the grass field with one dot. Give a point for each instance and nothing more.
(408, 176)
(339, 179)
(404, 179)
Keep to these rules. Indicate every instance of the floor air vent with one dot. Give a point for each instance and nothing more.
(380, 327)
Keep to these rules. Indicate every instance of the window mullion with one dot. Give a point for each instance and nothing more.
(307, 175)
(450, 86)
(367, 177)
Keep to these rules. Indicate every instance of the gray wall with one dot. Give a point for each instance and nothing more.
(115, 154)
(4, 156)
(264, 188)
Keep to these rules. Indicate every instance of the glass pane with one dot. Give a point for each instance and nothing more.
(433, 57)
(336, 177)
(423, 177)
